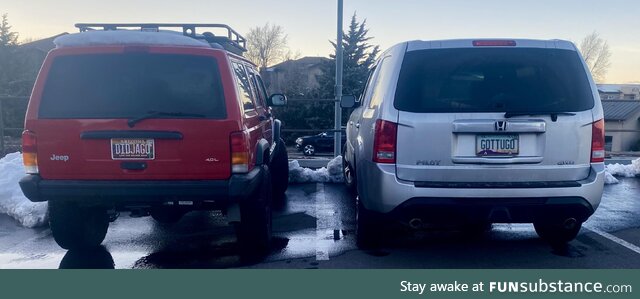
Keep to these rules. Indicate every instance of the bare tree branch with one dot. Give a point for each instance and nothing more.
(597, 55)
(266, 45)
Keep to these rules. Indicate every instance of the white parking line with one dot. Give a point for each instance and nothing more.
(615, 239)
(322, 248)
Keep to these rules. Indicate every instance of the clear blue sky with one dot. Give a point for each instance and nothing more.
(311, 23)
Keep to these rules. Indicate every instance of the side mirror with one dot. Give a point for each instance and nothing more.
(348, 101)
(277, 100)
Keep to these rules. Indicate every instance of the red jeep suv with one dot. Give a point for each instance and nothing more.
(134, 117)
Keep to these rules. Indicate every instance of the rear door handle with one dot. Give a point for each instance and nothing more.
(358, 125)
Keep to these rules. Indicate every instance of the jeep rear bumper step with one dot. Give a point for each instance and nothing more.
(235, 189)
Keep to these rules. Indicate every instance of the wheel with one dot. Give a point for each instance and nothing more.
(280, 171)
(166, 215)
(349, 175)
(254, 230)
(309, 150)
(556, 233)
(76, 227)
(369, 227)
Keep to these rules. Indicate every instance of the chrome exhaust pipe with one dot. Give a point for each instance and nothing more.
(570, 223)
(415, 223)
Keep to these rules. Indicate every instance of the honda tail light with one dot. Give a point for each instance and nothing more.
(29, 152)
(597, 141)
(384, 142)
(240, 157)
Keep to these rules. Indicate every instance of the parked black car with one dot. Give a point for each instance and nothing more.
(309, 145)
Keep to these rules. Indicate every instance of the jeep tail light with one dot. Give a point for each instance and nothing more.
(240, 152)
(29, 152)
(384, 142)
(597, 141)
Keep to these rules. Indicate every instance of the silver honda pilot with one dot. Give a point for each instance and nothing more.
(474, 132)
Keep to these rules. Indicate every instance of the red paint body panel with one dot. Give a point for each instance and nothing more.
(202, 154)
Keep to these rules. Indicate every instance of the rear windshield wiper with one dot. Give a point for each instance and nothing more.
(554, 115)
(153, 114)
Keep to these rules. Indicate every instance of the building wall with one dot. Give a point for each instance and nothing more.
(611, 96)
(631, 92)
(312, 77)
(623, 141)
(626, 92)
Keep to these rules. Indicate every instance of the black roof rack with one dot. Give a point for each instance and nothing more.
(233, 42)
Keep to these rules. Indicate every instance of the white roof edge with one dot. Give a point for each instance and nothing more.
(127, 37)
(468, 43)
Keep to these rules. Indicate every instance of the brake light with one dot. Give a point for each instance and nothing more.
(29, 152)
(239, 152)
(597, 141)
(494, 43)
(384, 142)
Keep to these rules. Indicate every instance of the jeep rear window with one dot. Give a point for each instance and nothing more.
(132, 84)
(493, 80)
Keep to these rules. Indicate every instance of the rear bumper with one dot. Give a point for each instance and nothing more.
(221, 192)
(496, 210)
(385, 193)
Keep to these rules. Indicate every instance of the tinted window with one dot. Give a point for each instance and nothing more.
(261, 88)
(366, 91)
(493, 80)
(260, 94)
(378, 89)
(130, 85)
(244, 87)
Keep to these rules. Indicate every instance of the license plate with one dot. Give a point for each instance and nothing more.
(132, 149)
(497, 145)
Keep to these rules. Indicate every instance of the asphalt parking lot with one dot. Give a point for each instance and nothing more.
(315, 229)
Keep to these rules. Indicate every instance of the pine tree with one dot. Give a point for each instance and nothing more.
(358, 57)
(8, 43)
(7, 37)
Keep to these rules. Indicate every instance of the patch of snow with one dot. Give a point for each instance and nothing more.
(12, 201)
(127, 37)
(609, 179)
(330, 174)
(628, 171)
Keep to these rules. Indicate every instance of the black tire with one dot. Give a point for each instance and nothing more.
(349, 175)
(280, 171)
(556, 234)
(254, 229)
(95, 258)
(369, 227)
(77, 228)
(308, 150)
(166, 215)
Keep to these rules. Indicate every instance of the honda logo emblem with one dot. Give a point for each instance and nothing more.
(501, 125)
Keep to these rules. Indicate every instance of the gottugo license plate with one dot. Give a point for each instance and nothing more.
(497, 145)
(132, 149)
